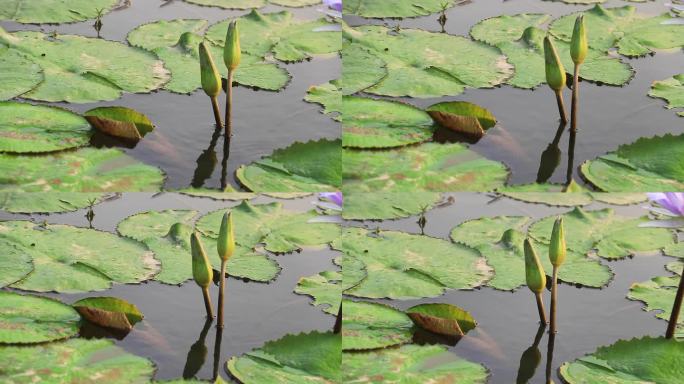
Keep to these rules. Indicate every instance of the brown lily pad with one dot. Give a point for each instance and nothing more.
(444, 319)
(121, 122)
(109, 312)
(462, 117)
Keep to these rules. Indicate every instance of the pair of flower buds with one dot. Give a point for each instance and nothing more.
(579, 47)
(534, 271)
(211, 79)
(202, 270)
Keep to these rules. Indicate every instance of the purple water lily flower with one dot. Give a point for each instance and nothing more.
(334, 4)
(673, 202)
(333, 197)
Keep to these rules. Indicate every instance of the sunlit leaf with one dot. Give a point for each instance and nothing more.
(672, 90)
(367, 325)
(53, 11)
(395, 8)
(48, 202)
(26, 319)
(387, 205)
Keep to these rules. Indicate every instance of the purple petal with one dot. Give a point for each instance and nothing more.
(334, 4)
(334, 197)
(671, 201)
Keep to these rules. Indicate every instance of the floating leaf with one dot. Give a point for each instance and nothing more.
(26, 319)
(368, 325)
(658, 294)
(395, 9)
(402, 266)
(314, 166)
(612, 236)
(53, 11)
(500, 241)
(412, 364)
(247, 4)
(462, 117)
(76, 360)
(81, 69)
(15, 84)
(327, 287)
(387, 205)
(120, 122)
(176, 42)
(15, 264)
(360, 69)
(70, 259)
(303, 358)
(648, 164)
(672, 90)
(521, 40)
(47, 202)
(427, 64)
(109, 312)
(427, 167)
(327, 95)
(26, 128)
(85, 170)
(445, 319)
(215, 194)
(631, 33)
(564, 196)
(645, 360)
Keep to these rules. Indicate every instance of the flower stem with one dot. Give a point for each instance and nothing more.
(561, 107)
(229, 104)
(676, 308)
(575, 97)
(207, 302)
(540, 308)
(554, 299)
(222, 287)
(217, 112)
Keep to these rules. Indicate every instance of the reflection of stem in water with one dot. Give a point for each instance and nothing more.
(676, 308)
(224, 162)
(530, 359)
(197, 354)
(549, 357)
(206, 161)
(422, 220)
(217, 353)
(571, 155)
(338, 321)
(550, 158)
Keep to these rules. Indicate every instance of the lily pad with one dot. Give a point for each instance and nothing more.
(648, 164)
(520, 38)
(176, 42)
(26, 319)
(81, 69)
(84, 170)
(445, 319)
(500, 241)
(47, 202)
(69, 259)
(328, 95)
(16, 84)
(462, 117)
(247, 4)
(672, 90)
(327, 287)
(633, 34)
(426, 64)
(645, 360)
(314, 166)
(368, 325)
(394, 9)
(412, 364)
(15, 264)
(612, 236)
(110, 312)
(387, 205)
(658, 294)
(405, 266)
(53, 11)
(26, 128)
(76, 360)
(567, 196)
(229, 193)
(297, 359)
(427, 167)
(122, 122)
(360, 69)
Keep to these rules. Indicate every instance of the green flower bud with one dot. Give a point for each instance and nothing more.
(534, 271)
(579, 45)
(226, 239)
(555, 72)
(201, 267)
(231, 51)
(211, 79)
(557, 247)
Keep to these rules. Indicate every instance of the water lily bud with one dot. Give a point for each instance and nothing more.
(579, 45)
(555, 72)
(557, 247)
(534, 271)
(231, 51)
(226, 239)
(211, 79)
(201, 267)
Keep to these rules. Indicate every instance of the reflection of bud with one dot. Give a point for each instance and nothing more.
(211, 80)
(534, 272)
(201, 268)
(231, 51)
(579, 45)
(226, 239)
(550, 159)
(555, 73)
(557, 247)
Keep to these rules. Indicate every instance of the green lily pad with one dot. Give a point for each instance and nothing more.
(645, 360)
(81, 69)
(412, 364)
(247, 4)
(612, 236)
(648, 164)
(672, 90)
(360, 69)
(500, 241)
(405, 266)
(567, 196)
(26, 319)
(69, 259)
(53, 11)
(327, 287)
(387, 206)
(328, 95)
(122, 122)
(16, 84)
(229, 193)
(520, 38)
(110, 312)
(176, 42)
(445, 319)
(84, 170)
(76, 360)
(48, 202)
(297, 359)
(26, 128)
(633, 34)
(368, 325)
(659, 294)
(394, 9)
(427, 64)
(462, 117)
(281, 35)
(314, 166)
(15, 264)
(427, 167)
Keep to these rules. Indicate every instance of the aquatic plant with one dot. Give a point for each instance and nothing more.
(231, 57)
(535, 277)
(201, 271)
(555, 75)
(557, 253)
(211, 80)
(579, 47)
(225, 247)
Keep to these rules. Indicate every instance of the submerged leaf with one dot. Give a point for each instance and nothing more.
(26, 319)
(367, 325)
(109, 312)
(445, 319)
(120, 122)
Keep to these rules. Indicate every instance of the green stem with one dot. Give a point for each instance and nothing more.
(229, 104)
(222, 287)
(676, 308)
(561, 107)
(554, 299)
(575, 97)
(207, 302)
(217, 112)
(540, 308)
